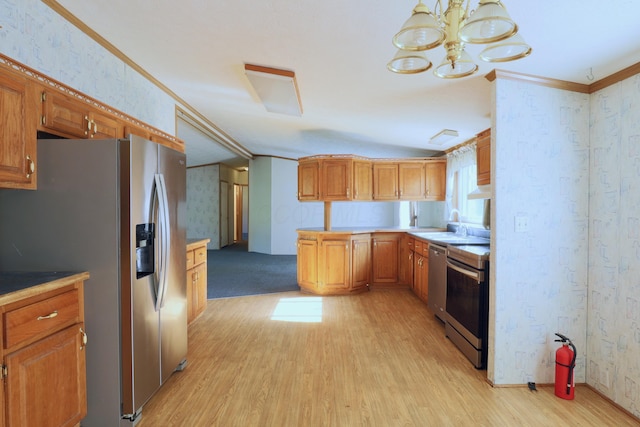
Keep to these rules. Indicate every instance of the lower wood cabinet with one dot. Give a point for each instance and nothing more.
(333, 263)
(336, 263)
(196, 278)
(385, 259)
(420, 284)
(43, 354)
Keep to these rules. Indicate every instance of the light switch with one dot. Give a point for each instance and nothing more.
(521, 223)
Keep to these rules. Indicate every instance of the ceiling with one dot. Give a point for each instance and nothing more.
(339, 50)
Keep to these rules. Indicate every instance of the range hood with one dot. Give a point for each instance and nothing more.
(482, 192)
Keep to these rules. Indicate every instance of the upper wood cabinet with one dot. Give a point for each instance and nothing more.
(362, 180)
(436, 180)
(411, 180)
(483, 155)
(17, 133)
(309, 180)
(335, 179)
(64, 114)
(328, 178)
(385, 181)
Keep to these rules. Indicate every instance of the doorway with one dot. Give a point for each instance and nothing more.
(241, 212)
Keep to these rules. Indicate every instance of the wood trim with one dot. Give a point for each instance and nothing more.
(615, 78)
(204, 125)
(567, 85)
(269, 70)
(542, 81)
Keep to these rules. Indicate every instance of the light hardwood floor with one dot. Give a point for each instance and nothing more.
(376, 359)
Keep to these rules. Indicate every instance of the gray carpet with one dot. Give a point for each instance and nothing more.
(233, 271)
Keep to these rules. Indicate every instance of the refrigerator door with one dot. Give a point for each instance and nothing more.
(173, 314)
(140, 320)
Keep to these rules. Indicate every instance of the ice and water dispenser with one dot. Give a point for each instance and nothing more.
(145, 237)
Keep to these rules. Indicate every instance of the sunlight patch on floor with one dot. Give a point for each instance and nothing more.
(299, 309)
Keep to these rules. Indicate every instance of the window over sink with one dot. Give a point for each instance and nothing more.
(462, 180)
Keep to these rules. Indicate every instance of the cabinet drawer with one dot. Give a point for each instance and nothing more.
(190, 259)
(41, 318)
(200, 255)
(417, 245)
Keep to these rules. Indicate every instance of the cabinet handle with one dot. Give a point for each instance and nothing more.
(48, 316)
(31, 167)
(84, 339)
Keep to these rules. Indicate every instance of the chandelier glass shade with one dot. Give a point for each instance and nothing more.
(489, 24)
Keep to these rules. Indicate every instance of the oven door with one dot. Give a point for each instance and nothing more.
(466, 300)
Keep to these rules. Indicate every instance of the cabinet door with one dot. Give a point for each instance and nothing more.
(417, 273)
(411, 179)
(406, 260)
(362, 180)
(385, 258)
(334, 267)
(64, 115)
(483, 156)
(45, 384)
(17, 133)
(309, 180)
(424, 279)
(336, 179)
(436, 176)
(360, 261)
(104, 127)
(200, 289)
(385, 181)
(307, 263)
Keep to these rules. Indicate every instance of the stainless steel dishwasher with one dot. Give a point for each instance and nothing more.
(438, 280)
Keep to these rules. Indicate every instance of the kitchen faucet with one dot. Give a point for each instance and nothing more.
(461, 229)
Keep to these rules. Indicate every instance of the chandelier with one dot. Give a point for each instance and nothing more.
(489, 24)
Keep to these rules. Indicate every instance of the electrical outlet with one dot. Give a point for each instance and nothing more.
(521, 223)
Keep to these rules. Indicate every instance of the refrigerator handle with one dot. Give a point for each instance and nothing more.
(165, 239)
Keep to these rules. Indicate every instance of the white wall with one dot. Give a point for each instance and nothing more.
(614, 239)
(203, 204)
(540, 170)
(260, 177)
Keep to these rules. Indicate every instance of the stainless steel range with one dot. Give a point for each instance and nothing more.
(467, 308)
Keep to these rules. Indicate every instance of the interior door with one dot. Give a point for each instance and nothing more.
(224, 213)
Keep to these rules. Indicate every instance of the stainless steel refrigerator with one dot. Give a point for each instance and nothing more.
(117, 209)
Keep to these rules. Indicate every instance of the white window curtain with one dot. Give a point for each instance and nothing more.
(462, 180)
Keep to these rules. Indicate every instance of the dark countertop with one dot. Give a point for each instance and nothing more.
(14, 282)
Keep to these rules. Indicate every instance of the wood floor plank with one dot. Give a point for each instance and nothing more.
(376, 359)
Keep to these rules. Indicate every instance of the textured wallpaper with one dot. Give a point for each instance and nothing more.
(539, 275)
(38, 37)
(570, 164)
(203, 204)
(613, 337)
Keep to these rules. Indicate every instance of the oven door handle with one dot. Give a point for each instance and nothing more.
(470, 273)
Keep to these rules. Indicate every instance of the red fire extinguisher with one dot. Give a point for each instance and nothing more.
(565, 364)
